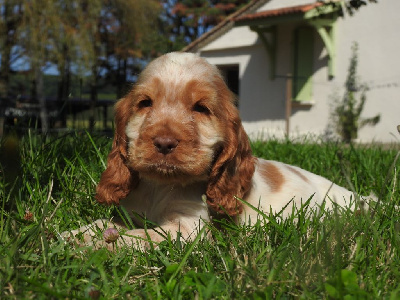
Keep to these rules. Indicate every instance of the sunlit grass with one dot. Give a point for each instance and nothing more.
(311, 256)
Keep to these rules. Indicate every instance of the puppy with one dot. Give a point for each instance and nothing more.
(179, 139)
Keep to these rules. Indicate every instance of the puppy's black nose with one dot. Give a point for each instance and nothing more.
(165, 144)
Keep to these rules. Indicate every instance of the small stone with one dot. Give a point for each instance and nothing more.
(110, 235)
(28, 216)
(398, 128)
(94, 294)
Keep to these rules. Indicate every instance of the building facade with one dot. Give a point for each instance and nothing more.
(288, 60)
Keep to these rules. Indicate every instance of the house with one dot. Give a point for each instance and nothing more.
(287, 59)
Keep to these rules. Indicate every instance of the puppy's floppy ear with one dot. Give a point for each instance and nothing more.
(118, 180)
(232, 172)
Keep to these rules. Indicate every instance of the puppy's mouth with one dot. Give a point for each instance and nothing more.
(166, 172)
(163, 172)
(166, 169)
(178, 166)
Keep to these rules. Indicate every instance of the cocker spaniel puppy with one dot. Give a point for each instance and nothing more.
(179, 137)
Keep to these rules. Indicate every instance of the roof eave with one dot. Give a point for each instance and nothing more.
(271, 20)
(312, 13)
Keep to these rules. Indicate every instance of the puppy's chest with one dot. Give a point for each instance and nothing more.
(147, 205)
(158, 203)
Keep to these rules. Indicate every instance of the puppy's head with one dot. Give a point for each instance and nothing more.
(179, 125)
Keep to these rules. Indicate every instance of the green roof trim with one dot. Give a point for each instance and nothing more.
(321, 15)
(325, 9)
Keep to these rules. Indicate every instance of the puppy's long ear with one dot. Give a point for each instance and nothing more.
(232, 172)
(118, 180)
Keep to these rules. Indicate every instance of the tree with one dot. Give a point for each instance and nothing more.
(347, 113)
(10, 19)
(128, 30)
(119, 38)
(185, 20)
(90, 39)
(37, 36)
(74, 49)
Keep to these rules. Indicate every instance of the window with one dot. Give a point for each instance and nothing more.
(303, 64)
(231, 76)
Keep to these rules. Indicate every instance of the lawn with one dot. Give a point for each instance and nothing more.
(49, 188)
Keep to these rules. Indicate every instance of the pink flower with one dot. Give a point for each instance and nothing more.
(110, 235)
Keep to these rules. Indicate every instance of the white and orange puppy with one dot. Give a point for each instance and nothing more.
(179, 137)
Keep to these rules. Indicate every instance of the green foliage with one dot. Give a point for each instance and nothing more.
(347, 113)
(89, 39)
(353, 5)
(345, 286)
(309, 255)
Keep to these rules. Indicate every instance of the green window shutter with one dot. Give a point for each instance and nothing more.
(303, 64)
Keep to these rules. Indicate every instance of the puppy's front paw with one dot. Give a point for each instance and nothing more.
(103, 234)
(77, 238)
(85, 235)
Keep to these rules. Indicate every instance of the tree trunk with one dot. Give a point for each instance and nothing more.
(93, 99)
(5, 66)
(63, 91)
(41, 99)
(5, 70)
(4, 83)
(8, 34)
(121, 77)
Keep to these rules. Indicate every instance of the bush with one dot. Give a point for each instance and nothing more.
(347, 111)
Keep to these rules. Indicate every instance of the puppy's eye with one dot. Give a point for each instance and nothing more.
(200, 108)
(145, 103)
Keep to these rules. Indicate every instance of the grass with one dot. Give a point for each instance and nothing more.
(48, 188)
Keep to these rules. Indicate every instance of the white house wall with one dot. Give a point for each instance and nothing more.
(375, 28)
(236, 37)
(314, 120)
(262, 101)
